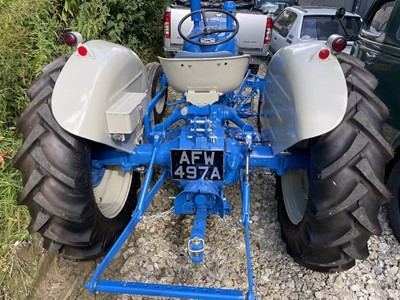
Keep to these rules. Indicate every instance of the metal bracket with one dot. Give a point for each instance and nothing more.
(196, 242)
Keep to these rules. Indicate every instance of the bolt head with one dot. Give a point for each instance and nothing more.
(196, 241)
(118, 137)
(184, 111)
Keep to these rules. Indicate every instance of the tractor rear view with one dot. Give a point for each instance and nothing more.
(96, 121)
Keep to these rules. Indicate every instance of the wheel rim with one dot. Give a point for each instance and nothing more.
(160, 103)
(112, 191)
(295, 187)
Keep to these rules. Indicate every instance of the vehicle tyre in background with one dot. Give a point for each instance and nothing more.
(154, 76)
(328, 213)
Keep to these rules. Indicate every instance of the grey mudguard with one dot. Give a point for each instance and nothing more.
(96, 94)
(304, 97)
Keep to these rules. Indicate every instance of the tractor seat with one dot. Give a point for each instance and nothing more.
(188, 54)
(205, 79)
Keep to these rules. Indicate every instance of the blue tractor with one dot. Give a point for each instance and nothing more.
(96, 121)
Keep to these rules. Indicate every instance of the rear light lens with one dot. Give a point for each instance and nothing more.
(268, 31)
(324, 53)
(339, 44)
(167, 25)
(73, 38)
(70, 39)
(336, 43)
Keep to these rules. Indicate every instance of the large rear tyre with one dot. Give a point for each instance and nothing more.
(79, 210)
(328, 213)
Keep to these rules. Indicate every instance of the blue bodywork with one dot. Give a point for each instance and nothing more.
(214, 147)
(215, 23)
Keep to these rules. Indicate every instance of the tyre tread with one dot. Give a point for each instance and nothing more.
(351, 200)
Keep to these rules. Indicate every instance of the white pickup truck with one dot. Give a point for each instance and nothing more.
(255, 25)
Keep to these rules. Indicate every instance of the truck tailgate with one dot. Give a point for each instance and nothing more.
(251, 30)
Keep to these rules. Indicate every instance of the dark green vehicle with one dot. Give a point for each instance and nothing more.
(379, 47)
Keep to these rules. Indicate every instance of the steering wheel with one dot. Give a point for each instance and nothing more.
(208, 30)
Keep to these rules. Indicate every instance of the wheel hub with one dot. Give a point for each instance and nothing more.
(295, 187)
(112, 191)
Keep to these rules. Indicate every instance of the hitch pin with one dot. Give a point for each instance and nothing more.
(196, 241)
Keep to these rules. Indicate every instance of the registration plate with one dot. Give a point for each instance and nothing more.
(197, 164)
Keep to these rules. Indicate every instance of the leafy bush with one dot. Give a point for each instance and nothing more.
(134, 24)
(15, 73)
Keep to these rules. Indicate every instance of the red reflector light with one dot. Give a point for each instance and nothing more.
(268, 31)
(82, 50)
(339, 44)
(167, 25)
(324, 54)
(70, 39)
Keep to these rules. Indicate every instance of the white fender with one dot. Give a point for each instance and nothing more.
(304, 95)
(96, 95)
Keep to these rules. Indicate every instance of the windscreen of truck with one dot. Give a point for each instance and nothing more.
(273, 6)
(321, 27)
